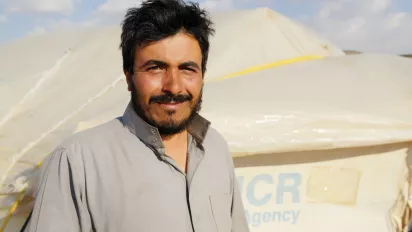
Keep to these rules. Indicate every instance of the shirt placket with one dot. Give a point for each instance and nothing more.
(185, 176)
(194, 159)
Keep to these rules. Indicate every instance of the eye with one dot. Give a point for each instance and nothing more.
(153, 68)
(188, 69)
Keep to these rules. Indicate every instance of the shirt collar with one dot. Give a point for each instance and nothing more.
(150, 134)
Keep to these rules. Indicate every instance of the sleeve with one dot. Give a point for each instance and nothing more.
(58, 202)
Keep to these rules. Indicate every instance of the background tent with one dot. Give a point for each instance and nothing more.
(243, 40)
(275, 114)
(90, 61)
(251, 38)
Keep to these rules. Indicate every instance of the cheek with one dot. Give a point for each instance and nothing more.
(147, 87)
(194, 86)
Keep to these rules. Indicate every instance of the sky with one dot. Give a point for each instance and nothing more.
(383, 26)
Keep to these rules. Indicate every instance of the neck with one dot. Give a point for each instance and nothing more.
(180, 138)
(176, 148)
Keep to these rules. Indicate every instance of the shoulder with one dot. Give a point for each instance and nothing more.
(216, 144)
(94, 135)
(83, 145)
(84, 142)
(215, 138)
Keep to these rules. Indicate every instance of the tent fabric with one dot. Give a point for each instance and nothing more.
(334, 102)
(351, 189)
(38, 107)
(329, 103)
(248, 38)
(74, 80)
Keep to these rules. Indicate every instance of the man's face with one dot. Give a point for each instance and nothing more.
(167, 82)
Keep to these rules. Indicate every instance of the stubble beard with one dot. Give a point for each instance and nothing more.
(170, 126)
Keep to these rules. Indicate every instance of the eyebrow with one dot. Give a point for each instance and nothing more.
(154, 62)
(164, 64)
(189, 64)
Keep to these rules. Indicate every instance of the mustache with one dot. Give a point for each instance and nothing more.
(167, 98)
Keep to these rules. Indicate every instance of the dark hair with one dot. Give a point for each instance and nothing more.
(157, 19)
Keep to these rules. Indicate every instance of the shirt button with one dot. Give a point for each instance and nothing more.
(153, 131)
(154, 139)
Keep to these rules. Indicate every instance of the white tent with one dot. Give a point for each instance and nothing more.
(53, 65)
(56, 84)
(251, 38)
(321, 144)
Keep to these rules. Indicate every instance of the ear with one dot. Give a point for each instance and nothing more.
(129, 79)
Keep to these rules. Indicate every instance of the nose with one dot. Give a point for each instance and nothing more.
(172, 82)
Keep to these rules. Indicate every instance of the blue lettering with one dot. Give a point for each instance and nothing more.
(257, 218)
(251, 187)
(267, 217)
(282, 188)
(286, 216)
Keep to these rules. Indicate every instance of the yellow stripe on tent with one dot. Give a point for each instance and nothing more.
(16, 203)
(240, 73)
(11, 211)
(258, 68)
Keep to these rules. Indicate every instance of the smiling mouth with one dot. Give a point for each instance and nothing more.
(170, 105)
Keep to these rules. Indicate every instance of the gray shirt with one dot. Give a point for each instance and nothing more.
(116, 177)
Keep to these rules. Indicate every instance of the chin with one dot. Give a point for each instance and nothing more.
(168, 119)
(172, 120)
(174, 115)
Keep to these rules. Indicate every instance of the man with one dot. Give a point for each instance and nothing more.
(159, 167)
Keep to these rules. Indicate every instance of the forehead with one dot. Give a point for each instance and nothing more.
(173, 50)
